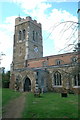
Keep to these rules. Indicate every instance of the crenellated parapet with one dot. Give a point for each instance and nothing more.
(20, 20)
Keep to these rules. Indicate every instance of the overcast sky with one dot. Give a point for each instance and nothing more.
(57, 38)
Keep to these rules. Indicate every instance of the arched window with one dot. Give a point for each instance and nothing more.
(33, 36)
(57, 78)
(36, 36)
(58, 62)
(77, 80)
(14, 40)
(24, 34)
(20, 35)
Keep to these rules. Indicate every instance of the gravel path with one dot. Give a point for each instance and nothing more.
(15, 107)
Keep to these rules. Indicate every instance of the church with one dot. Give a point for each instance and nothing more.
(30, 70)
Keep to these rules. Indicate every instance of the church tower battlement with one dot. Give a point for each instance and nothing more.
(27, 41)
(20, 20)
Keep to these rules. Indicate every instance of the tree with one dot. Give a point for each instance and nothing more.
(5, 79)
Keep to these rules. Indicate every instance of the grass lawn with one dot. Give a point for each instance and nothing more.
(51, 105)
(0, 102)
(0, 97)
(8, 95)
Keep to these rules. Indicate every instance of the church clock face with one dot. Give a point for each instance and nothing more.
(36, 49)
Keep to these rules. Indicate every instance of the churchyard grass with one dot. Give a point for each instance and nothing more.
(8, 95)
(0, 97)
(0, 102)
(51, 105)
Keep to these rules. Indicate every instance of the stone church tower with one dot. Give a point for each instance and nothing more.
(27, 41)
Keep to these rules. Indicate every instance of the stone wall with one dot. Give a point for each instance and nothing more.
(21, 76)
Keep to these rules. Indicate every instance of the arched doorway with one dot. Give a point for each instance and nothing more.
(27, 84)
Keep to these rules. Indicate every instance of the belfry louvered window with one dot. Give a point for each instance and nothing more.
(20, 35)
(33, 36)
(24, 34)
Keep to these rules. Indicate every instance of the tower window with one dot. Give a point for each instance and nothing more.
(57, 78)
(24, 34)
(20, 35)
(36, 36)
(33, 36)
(14, 40)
